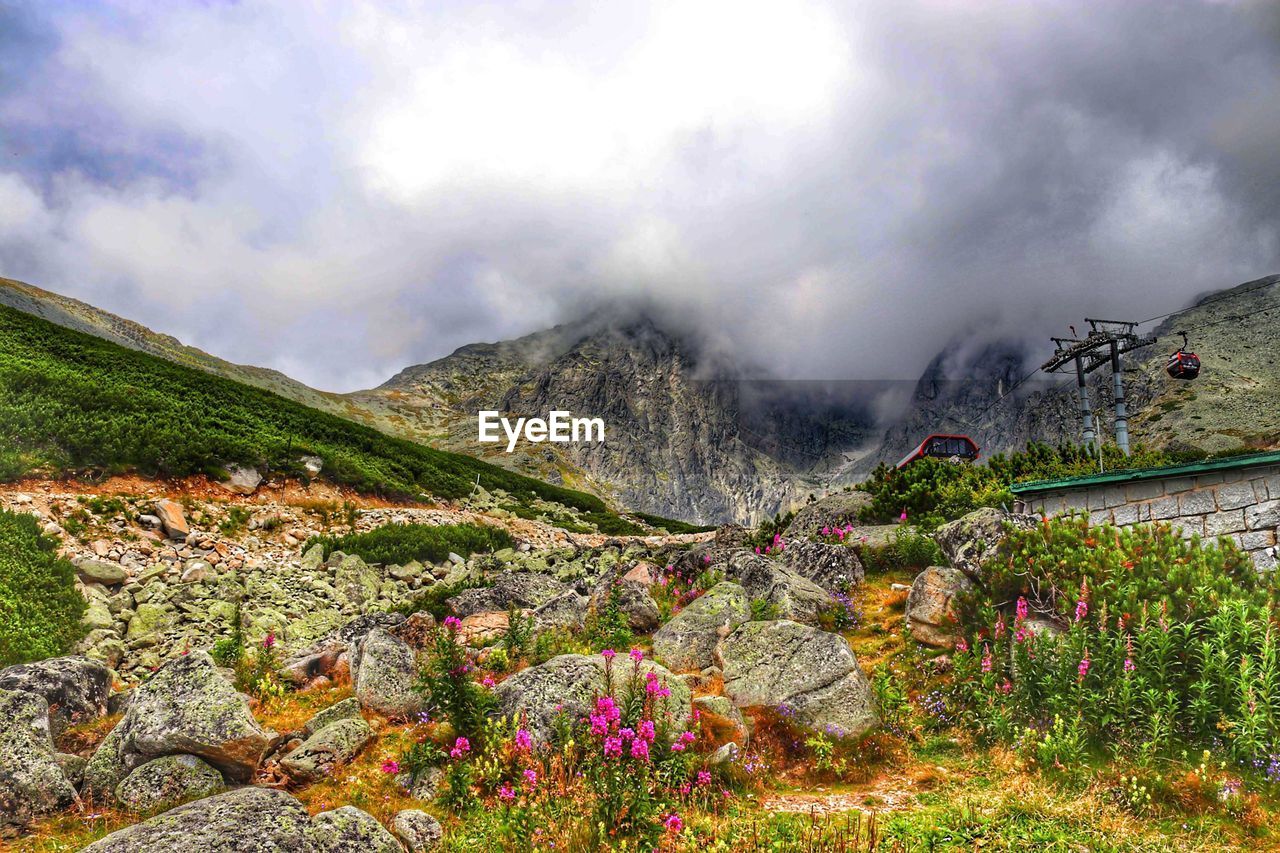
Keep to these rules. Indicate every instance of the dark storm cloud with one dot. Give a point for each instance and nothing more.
(832, 191)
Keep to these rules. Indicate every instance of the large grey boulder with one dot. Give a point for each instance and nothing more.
(186, 708)
(356, 583)
(350, 830)
(567, 611)
(791, 595)
(418, 830)
(31, 781)
(571, 684)
(809, 675)
(245, 820)
(688, 642)
(75, 688)
(167, 782)
(524, 590)
(384, 671)
(100, 571)
(835, 568)
(347, 709)
(633, 600)
(838, 510)
(329, 748)
(930, 605)
(969, 540)
(242, 479)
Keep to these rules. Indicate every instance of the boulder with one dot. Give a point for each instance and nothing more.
(835, 568)
(805, 674)
(571, 684)
(167, 782)
(347, 709)
(331, 747)
(838, 510)
(245, 820)
(688, 642)
(722, 717)
(356, 582)
(930, 612)
(969, 540)
(100, 571)
(31, 780)
(384, 672)
(323, 657)
(566, 611)
(634, 602)
(479, 628)
(525, 590)
(172, 519)
(75, 688)
(418, 830)
(350, 830)
(242, 479)
(794, 597)
(187, 707)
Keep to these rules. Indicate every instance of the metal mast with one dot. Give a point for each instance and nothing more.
(1106, 342)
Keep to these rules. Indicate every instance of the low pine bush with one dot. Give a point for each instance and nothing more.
(426, 543)
(40, 608)
(1111, 641)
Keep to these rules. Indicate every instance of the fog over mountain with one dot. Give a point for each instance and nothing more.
(833, 191)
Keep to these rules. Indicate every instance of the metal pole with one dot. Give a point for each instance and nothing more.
(1085, 411)
(1122, 417)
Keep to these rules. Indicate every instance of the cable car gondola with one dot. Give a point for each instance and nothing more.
(959, 447)
(1183, 364)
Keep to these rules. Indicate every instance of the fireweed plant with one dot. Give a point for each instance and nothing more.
(1135, 642)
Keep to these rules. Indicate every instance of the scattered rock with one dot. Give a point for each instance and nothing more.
(793, 597)
(100, 571)
(347, 709)
(804, 673)
(245, 820)
(835, 568)
(418, 830)
(350, 830)
(331, 747)
(167, 782)
(172, 519)
(567, 611)
(570, 683)
(384, 672)
(76, 689)
(688, 642)
(186, 708)
(930, 612)
(525, 590)
(31, 781)
(969, 540)
(242, 479)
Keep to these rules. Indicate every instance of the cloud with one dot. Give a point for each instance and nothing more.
(832, 190)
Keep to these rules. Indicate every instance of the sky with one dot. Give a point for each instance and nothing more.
(831, 190)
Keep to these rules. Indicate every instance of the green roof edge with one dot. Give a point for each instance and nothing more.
(1126, 475)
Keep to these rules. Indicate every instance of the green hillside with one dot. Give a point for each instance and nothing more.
(73, 403)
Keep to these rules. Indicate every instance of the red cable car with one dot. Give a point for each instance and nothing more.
(1183, 364)
(937, 446)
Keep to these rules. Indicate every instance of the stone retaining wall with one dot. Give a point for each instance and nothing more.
(1243, 504)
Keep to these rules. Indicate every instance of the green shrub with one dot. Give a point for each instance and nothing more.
(1168, 643)
(447, 684)
(671, 525)
(907, 548)
(608, 627)
(434, 599)
(40, 608)
(427, 543)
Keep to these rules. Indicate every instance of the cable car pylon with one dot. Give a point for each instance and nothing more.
(1106, 342)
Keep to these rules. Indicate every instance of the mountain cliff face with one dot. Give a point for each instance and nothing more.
(690, 436)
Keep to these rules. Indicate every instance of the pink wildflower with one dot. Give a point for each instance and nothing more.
(704, 778)
(269, 640)
(461, 747)
(1129, 665)
(646, 731)
(608, 654)
(531, 776)
(637, 655)
(506, 792)
(488, 681)
(452, 623)
(391, 766)
(1021, 609)
(612, 747)
(673, 823)
(524, 741)
(1083, 668)
(962, 646)
(986, 658)
(640, 749)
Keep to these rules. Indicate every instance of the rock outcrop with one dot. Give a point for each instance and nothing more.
(384, 671)
(770, 580)
(32, 783)
(835, 568)
(969, 540)
(75, 688)
(167, 782)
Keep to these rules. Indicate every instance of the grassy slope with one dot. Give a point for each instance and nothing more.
(73, 402)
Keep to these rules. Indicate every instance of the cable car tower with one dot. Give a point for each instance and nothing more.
(1106, 342)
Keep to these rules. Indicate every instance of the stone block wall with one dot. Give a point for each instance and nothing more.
(1243, 504)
